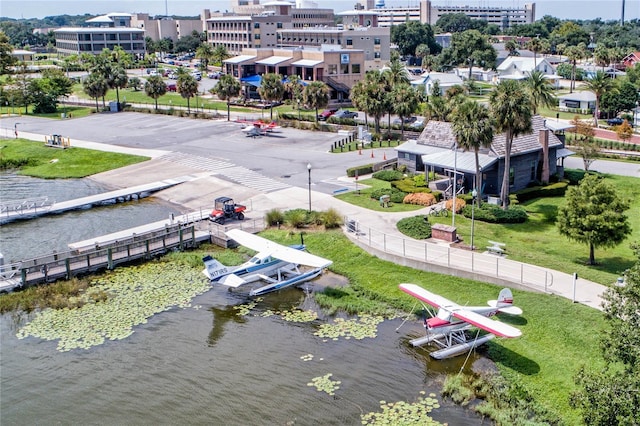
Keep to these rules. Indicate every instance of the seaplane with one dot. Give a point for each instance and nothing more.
(276, 265)
(447, 328)
(258, 127)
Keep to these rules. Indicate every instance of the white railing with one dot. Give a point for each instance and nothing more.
(481, 264)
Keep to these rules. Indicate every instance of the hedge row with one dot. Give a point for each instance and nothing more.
(554, 190)
(365, 169)
(494, 214)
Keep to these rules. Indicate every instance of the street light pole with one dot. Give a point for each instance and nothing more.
(309, 170)
(474, 194)
(455, 180)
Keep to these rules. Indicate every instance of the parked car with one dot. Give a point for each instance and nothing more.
(197, 75)
(616, 121)
(172, 87)
(214, 74)
(326, 114)
(344, 113)
(407, 120)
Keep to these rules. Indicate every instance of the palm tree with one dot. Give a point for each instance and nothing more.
(294, 88)
(599, 84)
(155, 87)
(473, 127)
(316, 95)
(374, 100)
(395, 75)
(511, 109)
(422, 51)
(511, 46)
(540, 90)
(95, 86)
(535, 45)
(188, 87)
(405, 101)
(271, 89)
(204, 52)
(574, 53)
(227, 88)
(220, 53)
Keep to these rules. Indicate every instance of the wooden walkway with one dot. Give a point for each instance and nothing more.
(27, 209)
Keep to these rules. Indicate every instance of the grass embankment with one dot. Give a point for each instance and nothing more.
(68, 111)
(558, 336)
(37, 160)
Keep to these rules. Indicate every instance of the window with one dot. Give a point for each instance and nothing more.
(349, 42)
(344, 68)
(332, 69)
(376, 41)
(355, 69)
(279, 25)
(512, 176)
(256, 25)
(376, 55)
(534, 165)
(257, 37)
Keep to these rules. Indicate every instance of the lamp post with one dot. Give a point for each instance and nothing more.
(309, 170)
(474, 194)
(455, 181)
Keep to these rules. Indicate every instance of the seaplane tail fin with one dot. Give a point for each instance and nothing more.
(232, 280)
(214, 269)
(505, 303)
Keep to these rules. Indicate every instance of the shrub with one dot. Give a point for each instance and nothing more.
(408, 185)
(396, 196)
(362, 170)
(388, 175)
(296, 218)
(417, 227)
(420, 180)
(420, 198)
(460, 203)
(494, 214)
(331, 219)
(574, 176)
(274, 217)
(554, 190)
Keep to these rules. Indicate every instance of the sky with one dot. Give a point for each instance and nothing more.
(563, 9)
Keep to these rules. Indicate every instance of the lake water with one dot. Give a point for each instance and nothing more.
(203, 364)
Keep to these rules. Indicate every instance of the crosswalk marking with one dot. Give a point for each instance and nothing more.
(227, 170)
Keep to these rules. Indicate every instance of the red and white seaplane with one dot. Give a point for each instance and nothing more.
(258, 127)
(447, 328)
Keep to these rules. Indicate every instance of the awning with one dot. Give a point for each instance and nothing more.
(462, 161)
(564, 152)
(306, 63)
(274, 60)
(254, 80)
(239, 59)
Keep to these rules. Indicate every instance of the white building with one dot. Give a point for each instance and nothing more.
(445, 80)
(518, 68)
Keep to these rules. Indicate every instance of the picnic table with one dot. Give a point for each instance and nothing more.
(496, 247)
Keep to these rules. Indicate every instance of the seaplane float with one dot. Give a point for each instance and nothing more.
(447, 328)
(276, 265)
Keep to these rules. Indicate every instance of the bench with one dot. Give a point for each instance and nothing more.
(496, 247)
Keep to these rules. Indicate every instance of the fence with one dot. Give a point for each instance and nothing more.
(454, 261)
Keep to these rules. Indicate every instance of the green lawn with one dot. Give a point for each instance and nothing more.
(36, 159)
(362, 197)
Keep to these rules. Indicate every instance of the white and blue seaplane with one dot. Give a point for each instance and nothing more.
(447, 328)
(276, 265)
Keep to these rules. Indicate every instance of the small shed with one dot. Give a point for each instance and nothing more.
(583, 102)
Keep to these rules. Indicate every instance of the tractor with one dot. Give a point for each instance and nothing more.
(224, 208)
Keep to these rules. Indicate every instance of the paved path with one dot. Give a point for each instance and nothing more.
(377, 230)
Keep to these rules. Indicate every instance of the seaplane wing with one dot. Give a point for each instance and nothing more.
(427, 297)
(492, 326)
(276, 250)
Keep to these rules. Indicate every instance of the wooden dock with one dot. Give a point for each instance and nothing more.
(27, 209)
(107, 251)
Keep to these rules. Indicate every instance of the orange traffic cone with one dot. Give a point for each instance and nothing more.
(384, 155)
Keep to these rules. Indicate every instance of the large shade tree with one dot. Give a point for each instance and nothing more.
(471, 48)
(473, 127)
(510, 106)
(609, 395)
(226, 89)
(594, 215)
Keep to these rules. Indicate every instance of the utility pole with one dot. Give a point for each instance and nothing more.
(622, 17)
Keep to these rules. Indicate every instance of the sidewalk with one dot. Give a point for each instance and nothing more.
(376, 232)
